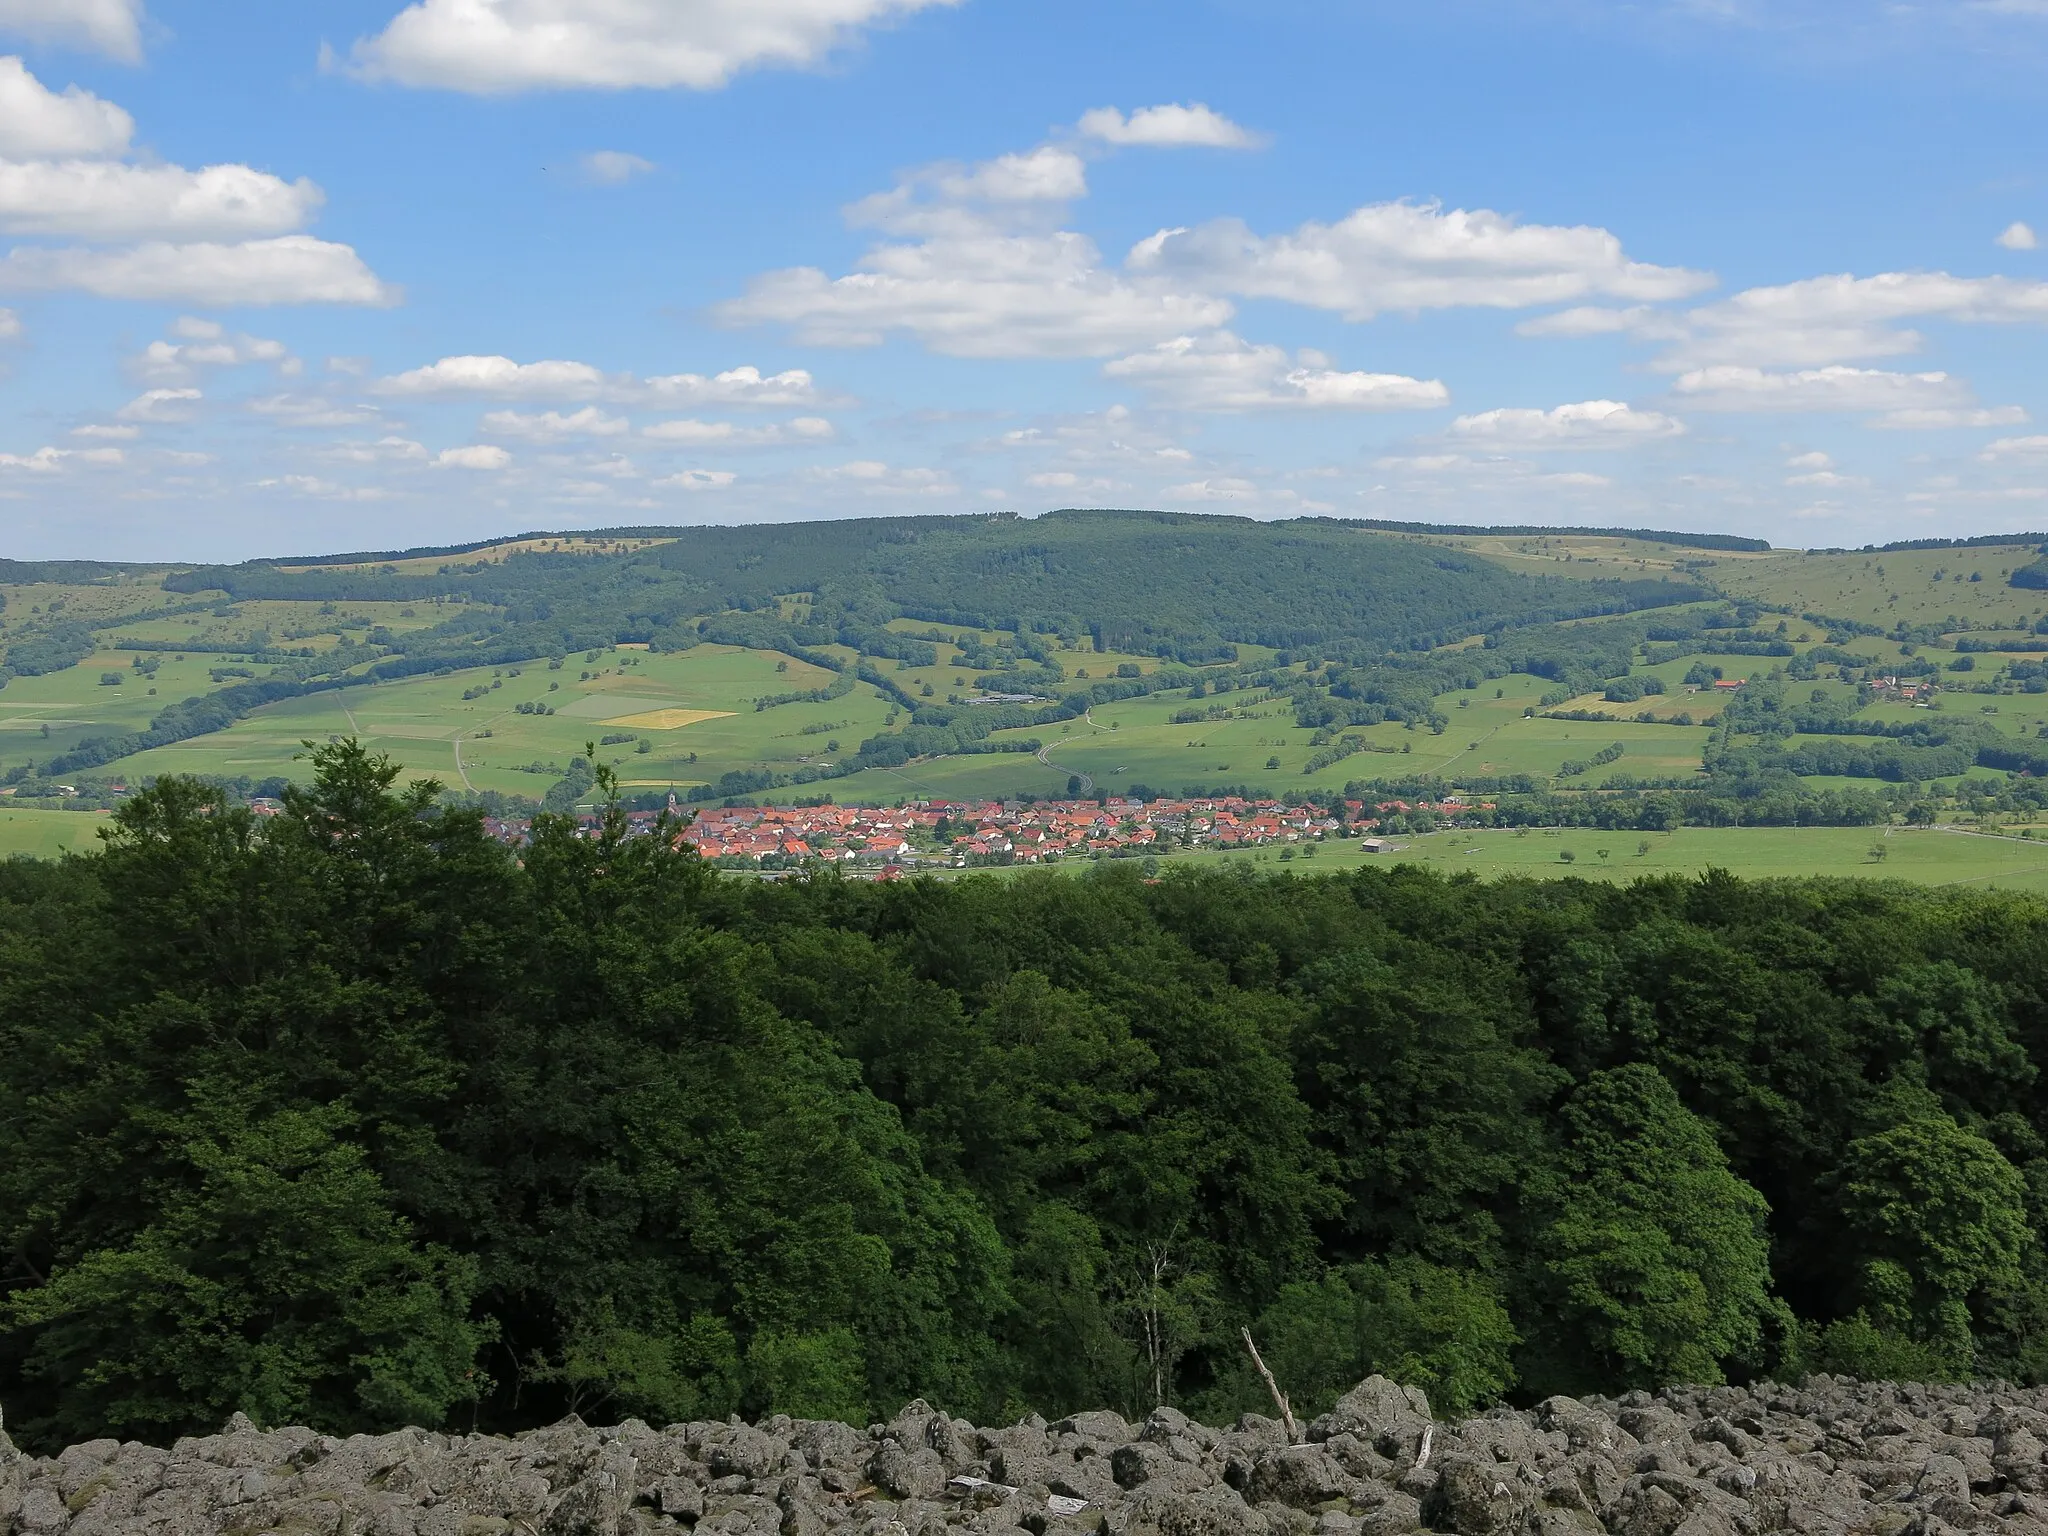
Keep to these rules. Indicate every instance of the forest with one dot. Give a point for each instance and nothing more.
(351, 1116)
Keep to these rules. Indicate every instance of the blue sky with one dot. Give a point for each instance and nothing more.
(346, 275)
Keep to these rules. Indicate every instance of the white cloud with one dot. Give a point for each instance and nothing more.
(1067, 480)
(107, 200)
(1638, 320)
(314, 411)
(1171, 126)
(36, 121)
(1221, 372)
(2018, 237)
(690, 433)
(471, 375)
(1727, 387)
(495, 46)
(698, 480)
(735, 386)
(613, 167)
(294, 269)
(1217, 488)
(43, 461)
(385, 450)
(1408, 256)
(323, 490)
(1585, 424)
(873, 477)
(1810, 461)
(207, 345)
(1935, 418)
(476, 456)
(2007, 446)
(10, 325)
(1841, 318)
(157, 405)
(112, 27)
(104, 430)
(979, 294)
(546, 426)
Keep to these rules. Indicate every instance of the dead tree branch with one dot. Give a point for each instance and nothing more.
(1279, 1398)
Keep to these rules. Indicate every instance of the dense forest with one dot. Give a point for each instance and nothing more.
(350, 1116)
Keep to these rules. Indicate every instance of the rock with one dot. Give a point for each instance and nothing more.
(1301, 1477)
(1476, 1498)
(907, 1472)
(1374, 1407)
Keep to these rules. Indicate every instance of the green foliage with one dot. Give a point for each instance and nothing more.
(1443, 1330)
(1654, 1252)
(1940, 1217)
(355, 1116)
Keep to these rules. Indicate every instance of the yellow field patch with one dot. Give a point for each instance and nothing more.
(668, 719)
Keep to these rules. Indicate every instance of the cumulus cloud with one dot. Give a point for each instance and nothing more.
(313, 411)
(2018, 237)
(109, 200)
(293, 269)
(1842, 318)
(385, 450)
(875, 478)
(1406, 256)
(112, 27)
(547, 426)
(1221, 372)
(10, 325)
(474, 375)
(37, 122)
(736, 386)
(1932, 418)
(498, 46)
(159, 405)
(476, 456)
(2005, 447)
(980, 293)
(1171, 126)
(323, 490)
(613, 167)
(691, 433)
(1586, 424)
(206, 344)
(697, 480)
(1728, 387)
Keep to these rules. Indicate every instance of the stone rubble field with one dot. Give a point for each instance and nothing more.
(1830, 1457)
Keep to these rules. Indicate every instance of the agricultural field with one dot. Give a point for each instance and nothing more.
(1947, 587)
(47, 834)
(467, 728)
(1939, 856)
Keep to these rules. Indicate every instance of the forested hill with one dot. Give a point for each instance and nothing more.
(350, 1116)
(1159, 583)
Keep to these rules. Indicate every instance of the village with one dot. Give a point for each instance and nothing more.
(939, 834)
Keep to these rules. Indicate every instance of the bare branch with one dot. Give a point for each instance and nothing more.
(1279, 1398)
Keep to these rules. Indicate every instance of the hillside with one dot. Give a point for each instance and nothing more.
(1570, 678)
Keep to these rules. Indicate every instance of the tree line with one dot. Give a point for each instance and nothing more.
(350, 1116)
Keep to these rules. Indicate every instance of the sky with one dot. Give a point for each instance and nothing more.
(360, 274)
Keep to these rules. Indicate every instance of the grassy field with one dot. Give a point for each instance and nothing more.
(46, 834)
(1931, 586)
(1933, 856)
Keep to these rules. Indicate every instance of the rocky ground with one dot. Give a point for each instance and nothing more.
(1829, 1457)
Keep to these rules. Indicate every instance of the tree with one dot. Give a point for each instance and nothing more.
(1941, 1216)
(1654, 1255)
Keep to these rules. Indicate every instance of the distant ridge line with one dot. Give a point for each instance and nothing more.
(1726, 541)
(1718, 541)
(1981, 541)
